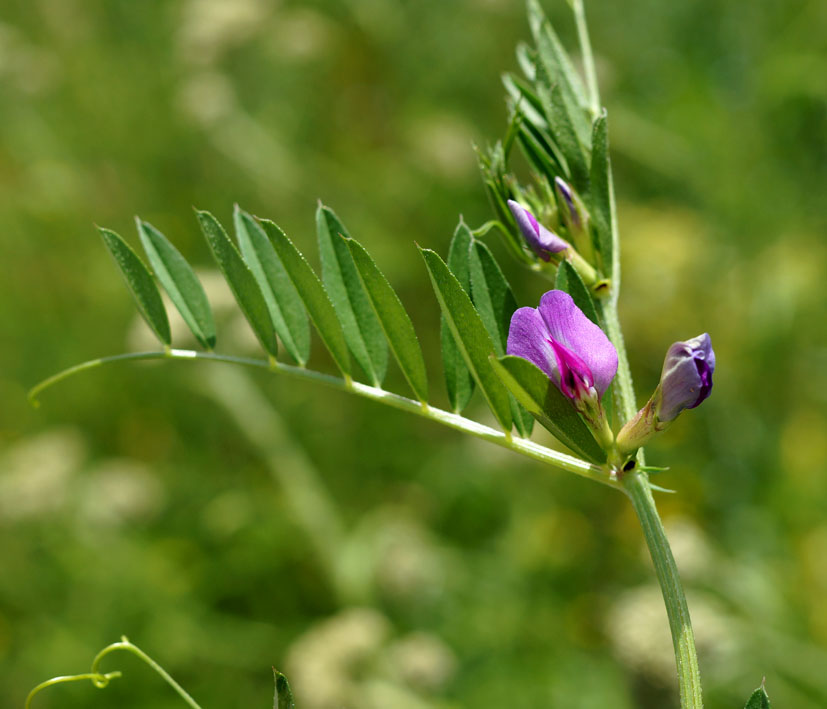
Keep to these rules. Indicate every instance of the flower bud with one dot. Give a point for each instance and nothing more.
(542, 241)
(686, 380)
(575, 217)
(547, 245)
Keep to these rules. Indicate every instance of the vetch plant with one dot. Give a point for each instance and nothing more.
(562, 364)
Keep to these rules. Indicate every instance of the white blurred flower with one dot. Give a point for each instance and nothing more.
(693, 554)
(322, 661)
(207, 97)
(121, 490)
(209, 27)
(422, 661)
(36, 475)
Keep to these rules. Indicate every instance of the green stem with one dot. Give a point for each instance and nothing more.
(135, 650)
(97, 679)
(637, 487)
(459, 423)
(623, 388)
(636, 484)
(588, 57)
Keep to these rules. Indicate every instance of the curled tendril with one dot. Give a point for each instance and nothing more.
(98, 679)
(101, 679)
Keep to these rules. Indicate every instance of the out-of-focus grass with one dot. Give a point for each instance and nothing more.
(135, 501)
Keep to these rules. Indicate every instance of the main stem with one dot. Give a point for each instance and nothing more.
(636, 483)
(637, 488)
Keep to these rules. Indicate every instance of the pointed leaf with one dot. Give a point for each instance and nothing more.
(546, 159)
(180, 282)
(495, 303)
(523, 420)
(527, 58)
(554, 61)
(535, 391)
(469, 332)
(571, 145)
(525, 100)
(312, 293)
(600, 191)
(283, 300)
(393, 318)
(758, 699)
(491, 294)
(284, 697)
(569, 280)
(362, 330)
(458, 380)
(241, 281)
(140, 284)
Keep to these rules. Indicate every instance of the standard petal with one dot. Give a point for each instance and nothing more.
(568, 325)
(528, 337)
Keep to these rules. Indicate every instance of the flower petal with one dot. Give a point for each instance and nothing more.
(686, 379)
(541, 240)
(569, 326)
(529, 338)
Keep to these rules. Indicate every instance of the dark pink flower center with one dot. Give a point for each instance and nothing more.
(575, 376)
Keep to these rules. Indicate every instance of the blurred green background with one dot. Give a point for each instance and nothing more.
(227, 521)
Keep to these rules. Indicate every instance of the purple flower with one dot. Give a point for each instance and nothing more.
(573, 352)
(540, 239)
(686, 379)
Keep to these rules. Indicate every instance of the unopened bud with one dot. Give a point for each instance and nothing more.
(575, 217)
(541, 240)
(686, 381)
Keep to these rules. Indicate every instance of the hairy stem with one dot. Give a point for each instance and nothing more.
(636, 484)
(637, 487)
